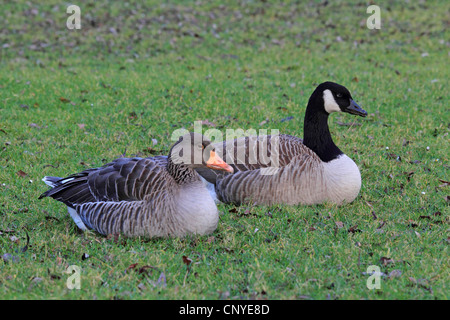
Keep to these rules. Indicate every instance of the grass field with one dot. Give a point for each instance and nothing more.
(74, 99)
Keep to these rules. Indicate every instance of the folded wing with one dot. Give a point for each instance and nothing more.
(124, 179)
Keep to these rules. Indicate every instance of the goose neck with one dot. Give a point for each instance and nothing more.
(181, 173)
(316, 135)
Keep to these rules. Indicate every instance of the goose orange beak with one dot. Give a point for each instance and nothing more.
(215, 162)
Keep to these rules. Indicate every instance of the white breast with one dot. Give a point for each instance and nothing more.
(197, 209)
(343, 179)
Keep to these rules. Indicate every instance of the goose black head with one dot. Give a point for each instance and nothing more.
(195, 151)
(337, 98)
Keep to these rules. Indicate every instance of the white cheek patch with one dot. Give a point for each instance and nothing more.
(329, 103)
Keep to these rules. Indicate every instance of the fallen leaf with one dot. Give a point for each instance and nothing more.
(132, 266)
(229, 56)
(385, 261)
(208, 123)
(36, 280)
(22, 174)
(25, 248)
(422, 283)
(412, 223)
(409, 175)
(51, 165)
(393, 156)
(339, 224)
(354, 229)
(287, 119)
(132, 115)
(64, 100)
(395, 273)
(7, 231)
(144, 269)
(412, 280)
(141, 286)
(24, 209)
(187, 261)
(223, 295)
(10, 257)
(444, 183)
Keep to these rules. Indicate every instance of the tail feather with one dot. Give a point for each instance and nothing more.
(52, 181)
(70, 190)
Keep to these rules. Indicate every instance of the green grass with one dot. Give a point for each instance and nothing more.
(163, 67)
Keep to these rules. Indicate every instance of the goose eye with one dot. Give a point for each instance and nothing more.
(339, 95)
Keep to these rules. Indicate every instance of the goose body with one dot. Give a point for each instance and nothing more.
(151, 197)
(312, 170)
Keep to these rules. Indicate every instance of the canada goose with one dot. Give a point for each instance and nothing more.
(310, 171)
(152, 197)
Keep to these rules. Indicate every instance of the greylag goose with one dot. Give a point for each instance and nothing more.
(160, 196)
(309, 171)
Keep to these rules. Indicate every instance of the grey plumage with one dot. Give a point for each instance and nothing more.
(152, 197)
(308, 171)
(295, 180)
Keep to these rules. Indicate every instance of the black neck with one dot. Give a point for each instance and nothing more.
(316, 135)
